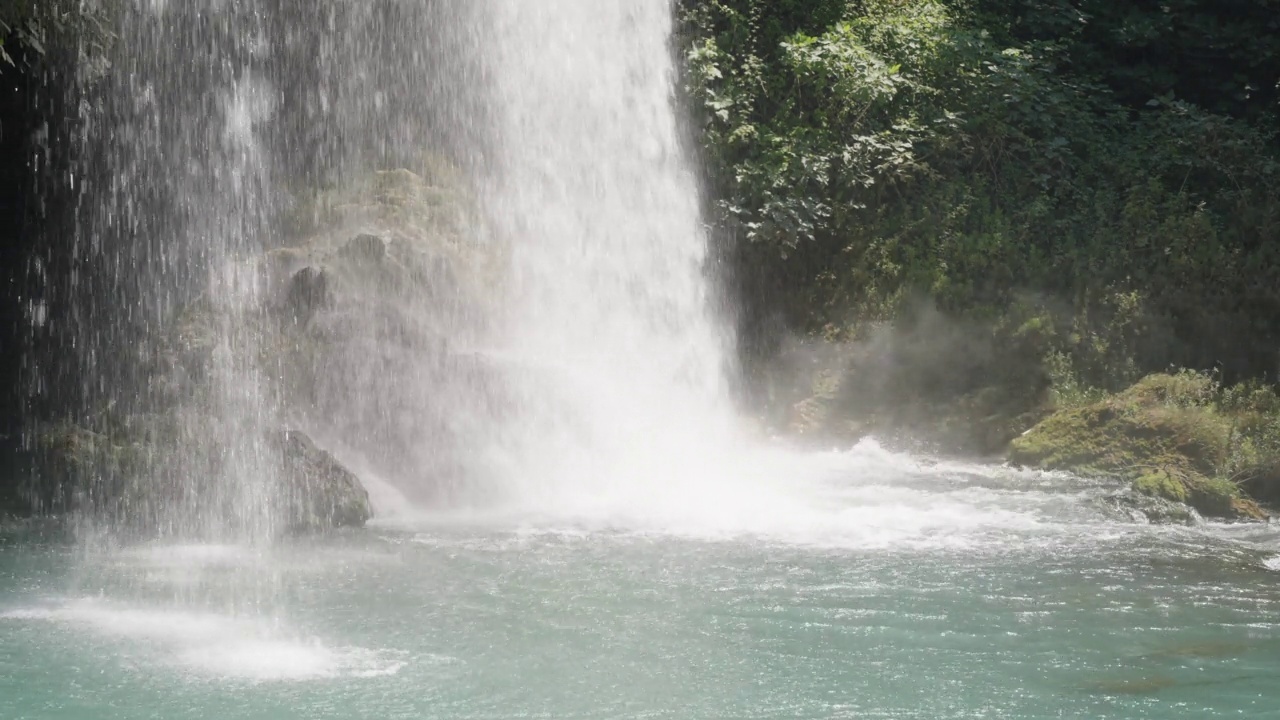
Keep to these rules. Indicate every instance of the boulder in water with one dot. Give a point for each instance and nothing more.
(132, 483)
(319, 492)
(1158, 434)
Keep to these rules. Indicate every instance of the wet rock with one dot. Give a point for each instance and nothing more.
(1263, 483)
(319, 492)
(308, 293)
(365, 248)
(1138, 507)
(78, 469)
(136, 486)
(370, 285)
(184, 353)
(13, 466)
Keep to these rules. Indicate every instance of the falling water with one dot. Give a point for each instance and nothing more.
(176, 184)
(609, 309)
(556, 339)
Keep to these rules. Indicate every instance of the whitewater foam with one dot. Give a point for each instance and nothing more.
(210, 644)
(866, 498)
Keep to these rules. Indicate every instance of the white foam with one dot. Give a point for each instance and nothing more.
(864, 498)
(218, 645)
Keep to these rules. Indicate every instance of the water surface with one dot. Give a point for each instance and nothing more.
(901, 590)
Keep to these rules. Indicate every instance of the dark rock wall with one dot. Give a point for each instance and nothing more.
(15, 184)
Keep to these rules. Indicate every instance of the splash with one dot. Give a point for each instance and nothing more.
(215, 645)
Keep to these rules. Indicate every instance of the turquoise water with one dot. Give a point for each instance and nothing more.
(917, 591)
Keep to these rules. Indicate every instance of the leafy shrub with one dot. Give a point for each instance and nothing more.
(867, 153)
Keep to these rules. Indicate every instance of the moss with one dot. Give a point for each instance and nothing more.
(1183, 389)
(1165, 434)
(1118, 438)
(1159, 483)
(76, 467)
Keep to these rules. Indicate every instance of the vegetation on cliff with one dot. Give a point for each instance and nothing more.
(1081, 180)
(1178, 436)
(983, 212)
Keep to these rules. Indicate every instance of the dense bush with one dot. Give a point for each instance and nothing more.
(1094, 184)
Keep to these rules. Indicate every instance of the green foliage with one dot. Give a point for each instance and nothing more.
(980, 154)
(1180, 436)
(1223, 56)
(1064, 381)
(1184, 390)
(1158, 483)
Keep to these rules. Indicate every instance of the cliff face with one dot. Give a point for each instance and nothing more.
(93, 265)
(21, 117)
(16, 125)
(354, 331)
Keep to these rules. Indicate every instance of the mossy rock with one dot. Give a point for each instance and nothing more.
(1159, 483)
(131, 484)
(319, 492)
(1162, 434)
(375, 274)
(1116, 436)
(76, 468)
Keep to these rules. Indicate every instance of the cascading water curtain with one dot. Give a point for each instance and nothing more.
(622, 361)
(176, 185)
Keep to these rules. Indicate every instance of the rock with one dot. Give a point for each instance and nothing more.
(1263, 482)
(278, 266)
(1156, 434)
(14, 465)
(319, 493)
(377, 273)
(308, 293)
(1155, 510)
(136, 486)
(365, 248)
(77, 469)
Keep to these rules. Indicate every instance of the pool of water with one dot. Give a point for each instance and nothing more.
(884, 588)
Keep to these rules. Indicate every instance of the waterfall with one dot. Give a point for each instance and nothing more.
(460, 246)
(609, 313)
(176, 182)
